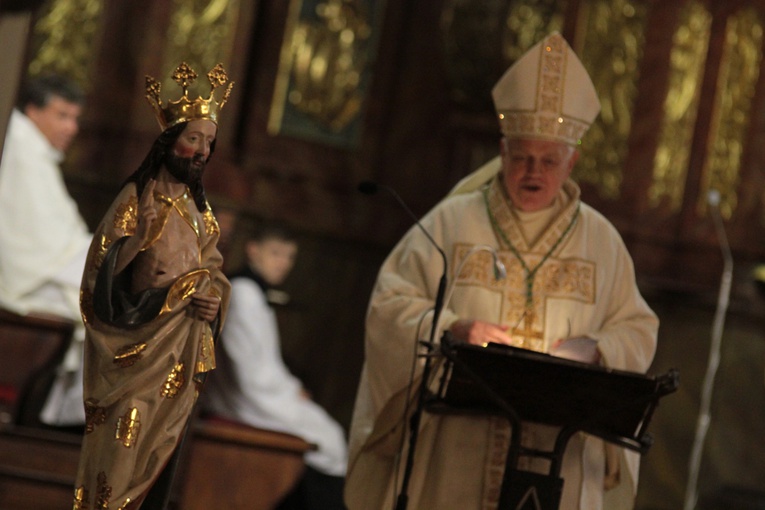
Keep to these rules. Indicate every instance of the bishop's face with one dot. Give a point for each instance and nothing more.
(534, 171)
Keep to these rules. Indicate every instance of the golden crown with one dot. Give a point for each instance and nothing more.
(184, 109)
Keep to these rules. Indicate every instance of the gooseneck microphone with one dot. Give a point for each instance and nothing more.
(370, 188)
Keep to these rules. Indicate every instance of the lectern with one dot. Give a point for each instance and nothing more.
(527, 386)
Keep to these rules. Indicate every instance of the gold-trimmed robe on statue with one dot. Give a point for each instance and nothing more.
(586, 287)
(145, 352)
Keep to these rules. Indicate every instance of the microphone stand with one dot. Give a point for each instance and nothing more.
(414, 423)
(369, 188)
(702, 425)
(499, 273)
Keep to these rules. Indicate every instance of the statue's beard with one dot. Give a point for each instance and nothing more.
(187, 170)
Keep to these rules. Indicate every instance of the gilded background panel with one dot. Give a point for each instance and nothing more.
(325, 69)
(482, 39)
(736, 81)
(690, 44)
(201, 33)
(613, 46)
(57, 47)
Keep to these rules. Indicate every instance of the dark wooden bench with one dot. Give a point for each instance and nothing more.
(225, 466)
(31, 347)
(37, 468)
(236, 466)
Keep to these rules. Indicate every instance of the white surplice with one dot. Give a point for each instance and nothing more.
(252, 385)
(43, 246)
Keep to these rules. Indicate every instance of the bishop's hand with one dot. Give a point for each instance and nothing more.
(480, 332)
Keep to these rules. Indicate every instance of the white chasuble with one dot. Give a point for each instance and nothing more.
(575, 279)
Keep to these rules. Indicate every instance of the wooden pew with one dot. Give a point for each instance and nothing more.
(37, 468)
(226, 466)
(31, 347)
(234, 466)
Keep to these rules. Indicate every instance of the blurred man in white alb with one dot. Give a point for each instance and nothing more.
(43, 238)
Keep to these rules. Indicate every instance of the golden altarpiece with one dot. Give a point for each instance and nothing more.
(679, 82)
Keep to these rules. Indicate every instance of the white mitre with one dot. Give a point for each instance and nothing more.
(546, 94)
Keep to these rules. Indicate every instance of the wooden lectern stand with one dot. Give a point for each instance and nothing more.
(527, 386)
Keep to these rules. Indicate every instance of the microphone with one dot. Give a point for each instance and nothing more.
(500, 271)
(370, 188)
(705, 414)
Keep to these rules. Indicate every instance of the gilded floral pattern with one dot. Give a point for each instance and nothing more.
(126, 216)
(128, 427)
(174, 382)
(104, 492)
(129, 355)
(95, 415)
(557, 278)
(737, 79)
(690, 45)
(613, 48)
(211, 224)
(201, 33)
(81, 497)
(57, 46)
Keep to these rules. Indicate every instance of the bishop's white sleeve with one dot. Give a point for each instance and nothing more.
(627, 339)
